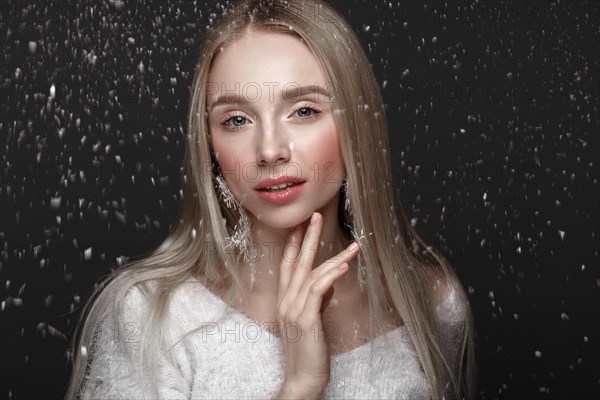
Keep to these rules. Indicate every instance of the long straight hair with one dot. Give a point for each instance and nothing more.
(402, 268)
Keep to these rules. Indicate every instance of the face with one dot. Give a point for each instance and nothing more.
(269, 117)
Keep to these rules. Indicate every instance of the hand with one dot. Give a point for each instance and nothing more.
(299, 303)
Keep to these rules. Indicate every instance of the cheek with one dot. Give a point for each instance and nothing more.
(227, 155)
(328, 157)
(238, 166)
(330, 152)
(226, 161)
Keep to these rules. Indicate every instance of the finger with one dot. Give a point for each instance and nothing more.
(314, 300)
(290, 257)
(299, 303)
(307, 256)
(345, 256)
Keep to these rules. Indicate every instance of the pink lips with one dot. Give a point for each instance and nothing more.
(277, 181)
(282, 196)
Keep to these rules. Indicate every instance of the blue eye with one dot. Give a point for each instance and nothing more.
(237, 121)
(234, 122)
(305, 112)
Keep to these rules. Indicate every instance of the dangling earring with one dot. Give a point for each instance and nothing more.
(357, 237)
(347, 199)
(347, 206)
(241, 237)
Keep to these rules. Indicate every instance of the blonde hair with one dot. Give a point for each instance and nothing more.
(402, 268)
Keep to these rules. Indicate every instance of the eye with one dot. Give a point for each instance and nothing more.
(305, 111)
(233, 121)
(237, 120)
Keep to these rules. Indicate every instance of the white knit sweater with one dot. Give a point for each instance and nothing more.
(236, 358)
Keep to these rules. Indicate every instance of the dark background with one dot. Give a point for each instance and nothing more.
(493, 115)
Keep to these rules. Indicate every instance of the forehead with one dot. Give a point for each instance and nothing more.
(258, 58)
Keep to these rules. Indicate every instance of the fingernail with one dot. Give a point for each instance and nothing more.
(352, 246)
(313, 219)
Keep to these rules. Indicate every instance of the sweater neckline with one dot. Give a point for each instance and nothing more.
(234, 311)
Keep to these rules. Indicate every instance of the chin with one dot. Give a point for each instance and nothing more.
(283, 223)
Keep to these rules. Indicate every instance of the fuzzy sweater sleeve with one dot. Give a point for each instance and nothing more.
(453, 317)
(114, 372)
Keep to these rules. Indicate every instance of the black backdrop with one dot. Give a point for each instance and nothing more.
(493, 117)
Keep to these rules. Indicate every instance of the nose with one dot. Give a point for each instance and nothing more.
(272, 146)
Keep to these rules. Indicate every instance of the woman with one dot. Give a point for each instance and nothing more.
(259, 292)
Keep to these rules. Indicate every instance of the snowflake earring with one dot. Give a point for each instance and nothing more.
(358, 237)
(240, 236)
(347, 206)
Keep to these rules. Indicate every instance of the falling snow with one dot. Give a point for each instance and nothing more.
(493, 119)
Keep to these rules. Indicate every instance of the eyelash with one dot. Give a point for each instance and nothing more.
(230, 116)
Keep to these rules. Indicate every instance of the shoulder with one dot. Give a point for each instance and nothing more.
(122, 312)
(134, 303)
(186, 304)
(449, 299)
(142, 296)
(452, 310)
(193, 304)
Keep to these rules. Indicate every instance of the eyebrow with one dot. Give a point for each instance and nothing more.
(233, 98)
